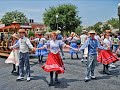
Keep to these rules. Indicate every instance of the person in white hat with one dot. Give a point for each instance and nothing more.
(14, 55)
(92, 45)
(24, 45)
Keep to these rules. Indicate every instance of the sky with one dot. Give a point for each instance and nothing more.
(90, 11)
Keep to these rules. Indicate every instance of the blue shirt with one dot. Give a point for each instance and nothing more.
(59, 37)
(92, 45)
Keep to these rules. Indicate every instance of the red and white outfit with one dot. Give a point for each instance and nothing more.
(54, 61)
(106, 56)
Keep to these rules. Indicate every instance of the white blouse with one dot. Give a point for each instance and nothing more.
(54, 45)
(107, 43)
(40, 40)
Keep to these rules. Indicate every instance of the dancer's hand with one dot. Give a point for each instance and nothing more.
(33, 49)
(108, 48)
(10, 47)
(75, 49)
(38, 48)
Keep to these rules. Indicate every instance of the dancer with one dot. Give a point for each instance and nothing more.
(73, 43)
(92, 45)
(54, 62)
(83, 38)
(14, 55)
(24, 46)
(106, 56)
(40, 53)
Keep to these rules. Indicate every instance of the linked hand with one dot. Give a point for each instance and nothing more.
(75, 49)
(10, 47)
(33, 49)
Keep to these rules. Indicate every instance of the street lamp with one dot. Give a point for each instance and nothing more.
(119, 15)
(57, 21)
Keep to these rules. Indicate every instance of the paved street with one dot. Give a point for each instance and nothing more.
(72, 79)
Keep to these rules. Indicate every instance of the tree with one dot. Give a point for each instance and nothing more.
(30, 33)
(9, 17)
(105, 27)
(96, 27)
(67, 19)
(78, 30)
(114, 22)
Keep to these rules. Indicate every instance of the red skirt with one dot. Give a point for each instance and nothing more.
(54, 63)
(106, 57)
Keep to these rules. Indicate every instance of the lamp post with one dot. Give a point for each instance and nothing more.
(57, 21)
(119, 15)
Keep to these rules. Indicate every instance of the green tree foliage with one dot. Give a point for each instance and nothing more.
(30, 33)
(9, 17)
(96, 27)
(78, 30)
(67, 19)
(105, 27)
(114, 22)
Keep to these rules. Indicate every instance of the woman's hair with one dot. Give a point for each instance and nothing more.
(53, 33)
(105, 35)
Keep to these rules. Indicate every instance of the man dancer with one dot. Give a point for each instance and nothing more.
(24, 46)
(92, 45)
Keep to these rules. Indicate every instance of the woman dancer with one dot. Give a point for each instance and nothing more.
(73, 43)
(14, 55)
(54, 62)
(40, 53)
(106, 56)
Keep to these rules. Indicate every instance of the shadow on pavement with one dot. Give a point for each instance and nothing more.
(114, 72)
(64, 83)
(39, 78)
(103, 77)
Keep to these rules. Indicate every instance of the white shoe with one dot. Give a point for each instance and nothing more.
(20, 78)
(93, 77)
(112, 65)
(87, 79)
(86, 60)
(82, 60)
(28, 79)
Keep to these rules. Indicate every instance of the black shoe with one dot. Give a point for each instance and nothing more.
(51, 84)
(63, 58)
(77, 57)
(13, 70)
(71, 57)
(86, 80)
(56, 81)
(107, 72)
(43, 61)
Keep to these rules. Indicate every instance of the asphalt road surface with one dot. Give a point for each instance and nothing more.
(72, 79)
